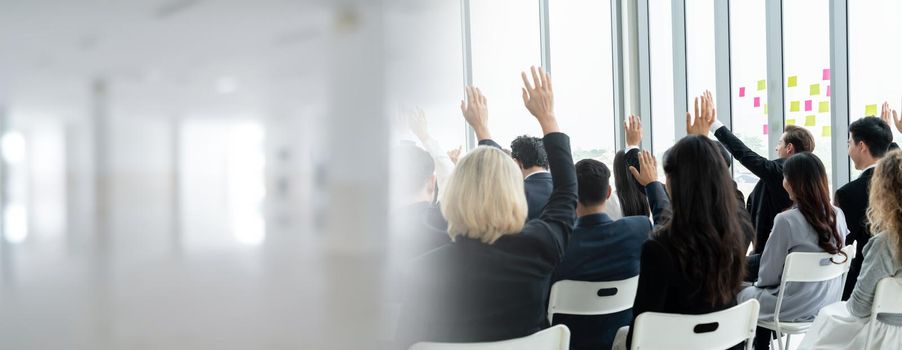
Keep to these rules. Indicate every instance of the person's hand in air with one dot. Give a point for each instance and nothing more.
(454, 154)
(649, 169)
(705, 115)
(539, 99)
(476, 112)
(896, 120)
(633, 129)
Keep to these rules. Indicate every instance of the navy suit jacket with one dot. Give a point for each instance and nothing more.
(601, 249)
(538, 188)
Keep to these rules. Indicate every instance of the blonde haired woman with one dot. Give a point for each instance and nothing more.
(492, 281)
(844, 325)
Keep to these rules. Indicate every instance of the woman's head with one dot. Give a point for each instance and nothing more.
(805, 180)
(885, 207)
(484, 197)
(632, 198)
(704, 230)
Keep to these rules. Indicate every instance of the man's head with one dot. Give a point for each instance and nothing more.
(869, 140)
(794, 140)
(417, 169)
(593, 179)
(529, 152)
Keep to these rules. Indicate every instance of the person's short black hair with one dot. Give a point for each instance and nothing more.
(874, 132)
(416, 165)
(530, 151)
(593, 180)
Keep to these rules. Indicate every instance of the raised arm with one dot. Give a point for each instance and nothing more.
(647, 176)
(560, 212)
(443, 164)
(705, 120)
(896, 120)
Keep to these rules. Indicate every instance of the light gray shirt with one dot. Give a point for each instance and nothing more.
(801, 300)
(878, 263)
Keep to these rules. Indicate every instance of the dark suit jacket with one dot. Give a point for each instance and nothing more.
(601, 249)
(422, 224)
(853, 200)
(537, 186)
(470, 291)
(768, 198)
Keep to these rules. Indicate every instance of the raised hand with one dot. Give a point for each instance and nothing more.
(885, 113)
(649, 166)
(705, 115)
(539, 99)
(418, 125)
(454, 154)
(633, 130)
(476, 112)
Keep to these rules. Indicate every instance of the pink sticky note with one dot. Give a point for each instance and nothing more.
(808, 105)
(827, 74)
(765, 129)
(757, 102)
(828, 90)
(742, 92)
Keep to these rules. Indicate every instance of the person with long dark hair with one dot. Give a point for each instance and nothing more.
(632, 197)
(811, 225)
(694, 262)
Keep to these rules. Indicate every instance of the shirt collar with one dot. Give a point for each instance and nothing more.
(593, 220)
(538, 172)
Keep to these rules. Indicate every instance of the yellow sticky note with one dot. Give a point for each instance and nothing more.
(790, 122)
(762, 84)
(815, 89)
(792, 81)
(794, 106)
(826, 131)
(810, 120)
(765, 108)
(870, 111)
(823, 107)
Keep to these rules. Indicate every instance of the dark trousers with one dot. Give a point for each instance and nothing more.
(762, 338)
(753, 261)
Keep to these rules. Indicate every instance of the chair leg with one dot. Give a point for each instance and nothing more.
(787, 341)
(780, 341)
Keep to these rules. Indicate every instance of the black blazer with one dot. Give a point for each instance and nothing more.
(601, 249)
(537, 186)
(469, 291)
(768, 198)
(853, 200)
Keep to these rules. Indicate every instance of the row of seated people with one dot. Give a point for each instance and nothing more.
(493, 249)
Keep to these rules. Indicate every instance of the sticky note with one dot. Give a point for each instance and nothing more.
(808, 105)
(810, 120)
(762, 84)
(815, 89)
(765, 129)
(794, 106)
(870, 111)
(823, 107)
(828, 90)
(757, 102)
(790, 122)
(765, 108)
(827, 74)
(826, 131)
(793, 81)
(742, 92)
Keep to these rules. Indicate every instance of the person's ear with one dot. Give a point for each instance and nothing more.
(519, 164)
(790, 148)
(610, 191)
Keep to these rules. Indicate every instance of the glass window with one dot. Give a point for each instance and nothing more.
(700, 69)
(582, 69)
(661, 62)
(874, 76)
(806, 66)
(505, 41)
(748, 74)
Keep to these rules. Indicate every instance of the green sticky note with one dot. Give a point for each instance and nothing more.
(870, 111)
(792, 81)
(762, 84)
(765, 108)
(823, 107)
(794, 106)
(790, 122)
(810, 120)
(826, 131)
(815, 89)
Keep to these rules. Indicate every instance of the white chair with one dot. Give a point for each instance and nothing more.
(716, 330)
(554, 338)
(805, 267)
(591, 298)
(886, 301)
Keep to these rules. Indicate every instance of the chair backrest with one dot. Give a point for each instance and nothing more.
(591, 298)
(716, 330)
(886, 298)
(816, 267)
(554, 338)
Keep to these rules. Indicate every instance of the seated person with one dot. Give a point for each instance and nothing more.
(600, 249)
(812, 225)
(844, 325)
(529, 153)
